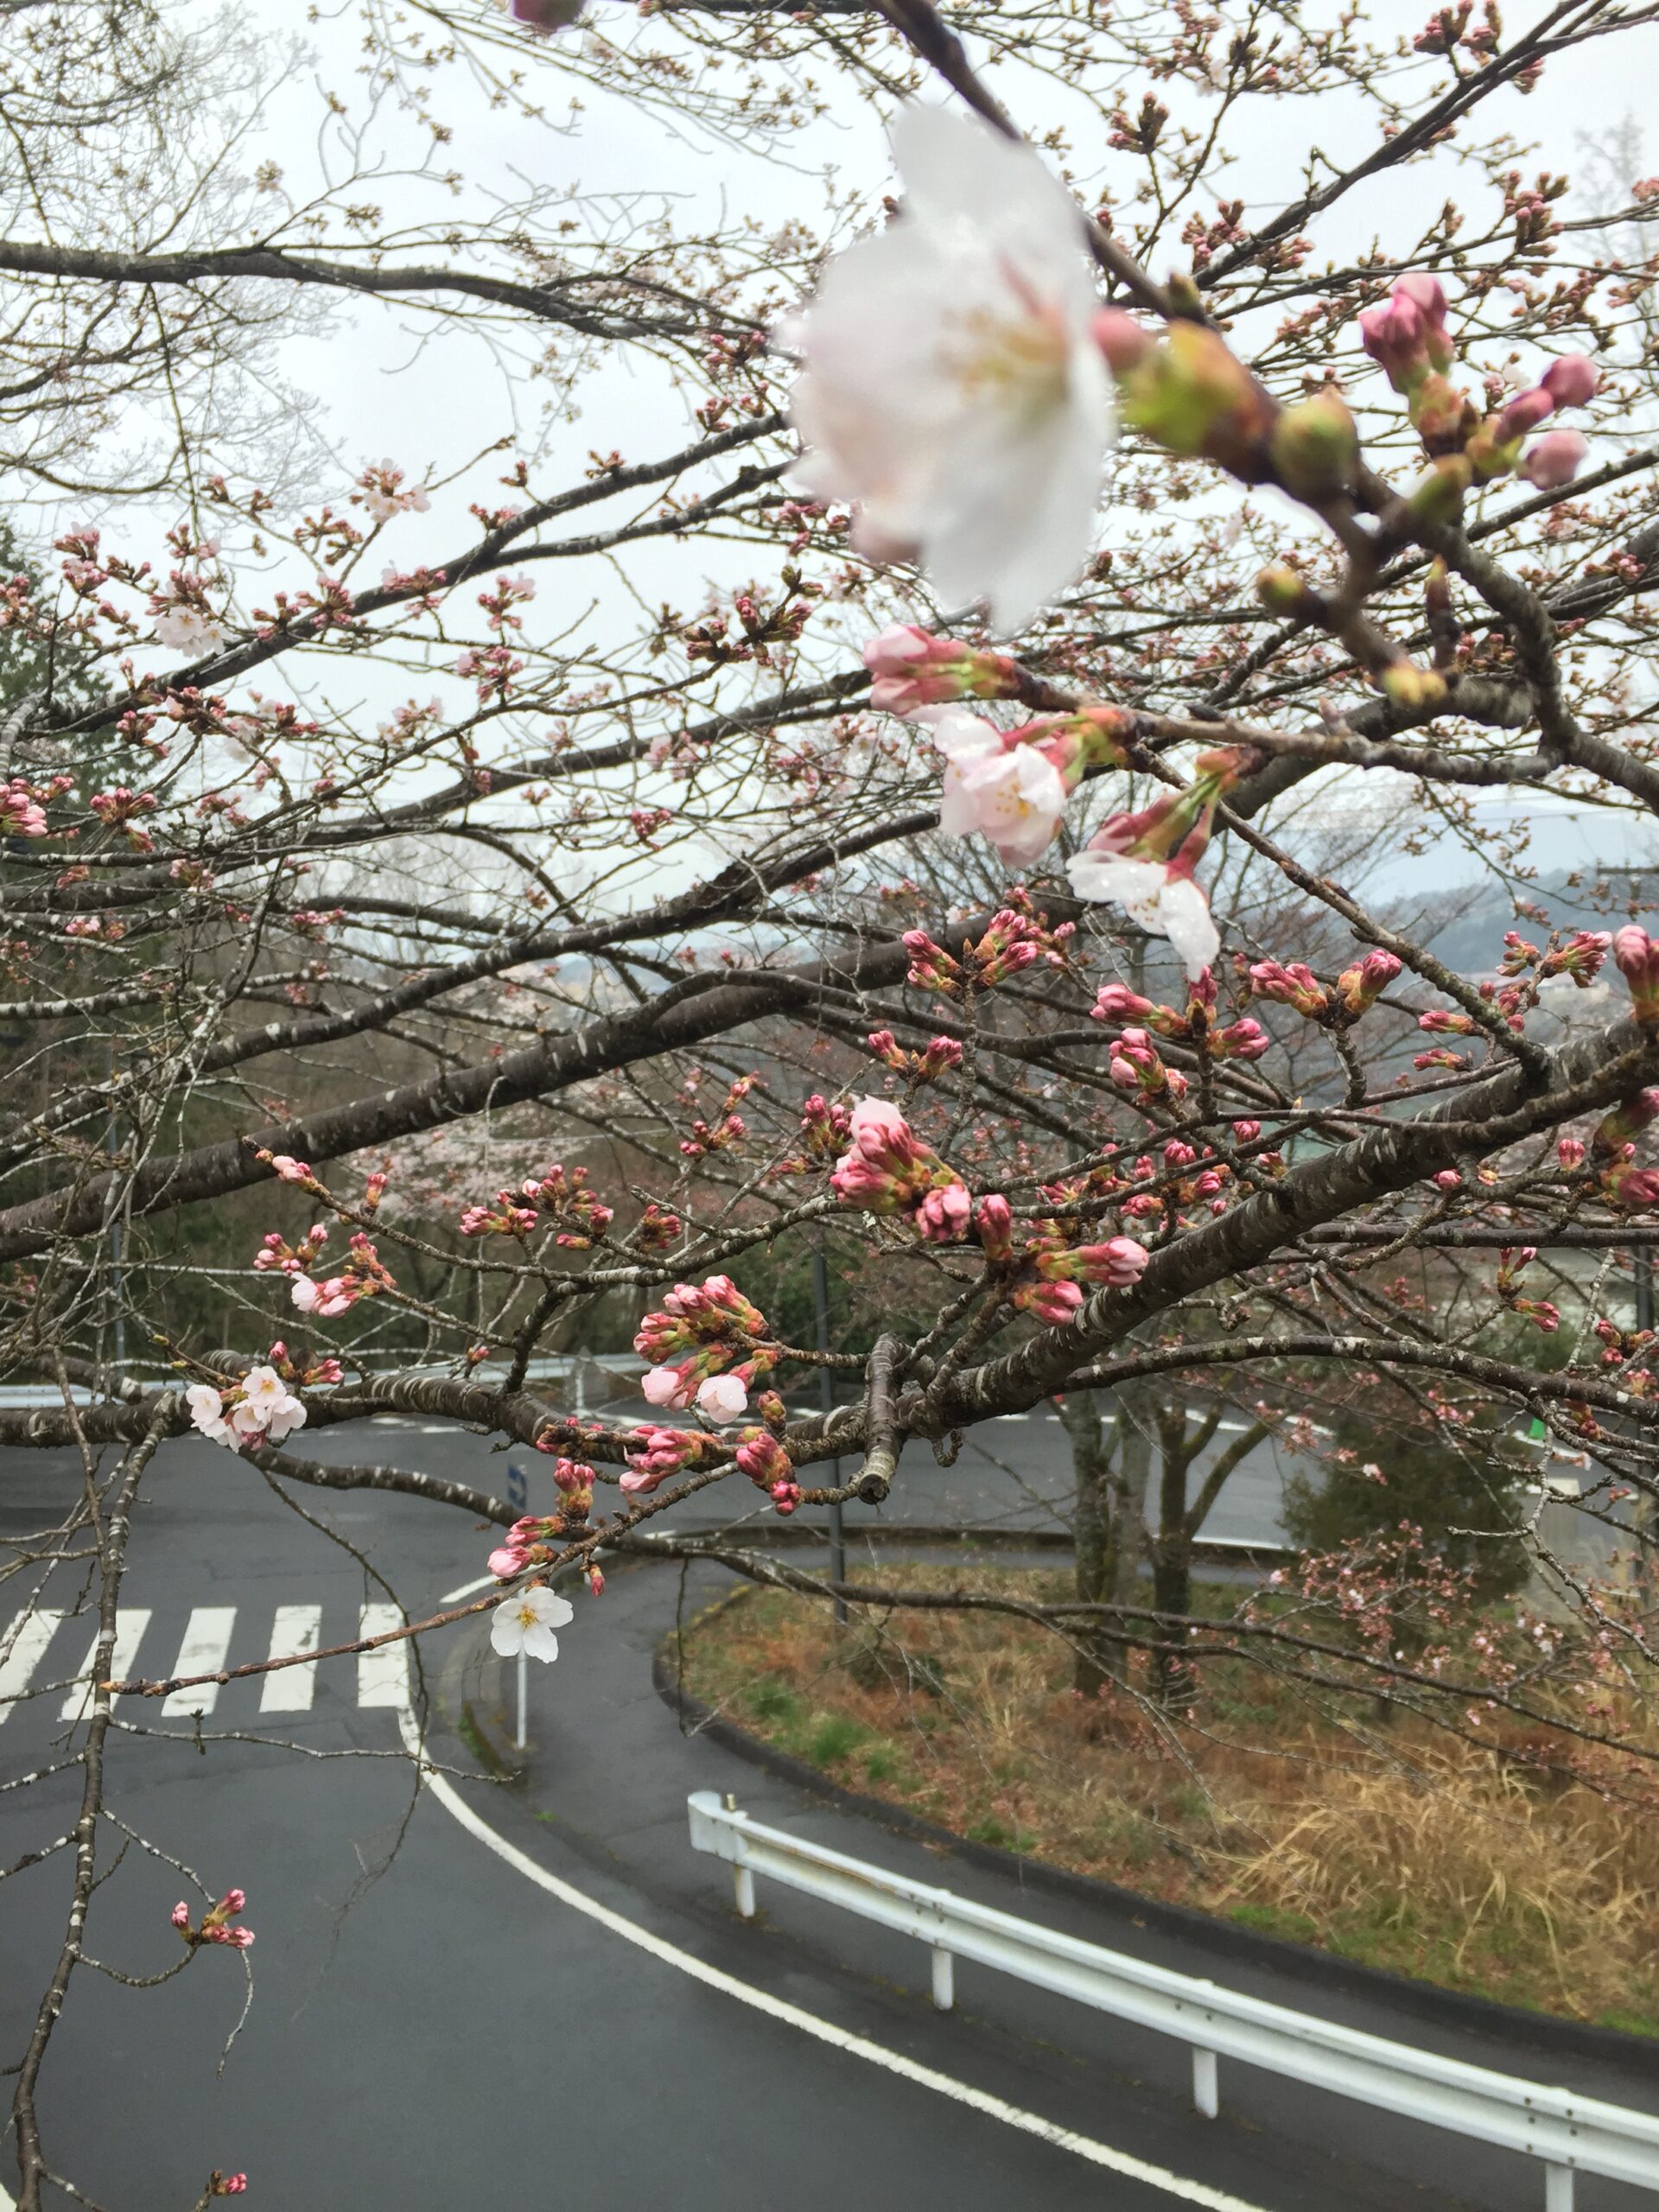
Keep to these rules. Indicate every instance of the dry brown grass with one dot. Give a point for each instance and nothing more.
(1400, 1848)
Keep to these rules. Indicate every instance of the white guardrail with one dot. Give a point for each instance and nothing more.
(1569, 2132)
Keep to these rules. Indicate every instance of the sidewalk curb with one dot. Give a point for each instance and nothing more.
(1449, 2008)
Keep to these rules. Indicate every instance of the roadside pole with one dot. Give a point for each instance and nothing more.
(827, 1400)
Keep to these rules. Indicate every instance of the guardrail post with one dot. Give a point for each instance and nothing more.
(944, 1979)
(1558, 2189)
(743, 1884)
(1206, 2089)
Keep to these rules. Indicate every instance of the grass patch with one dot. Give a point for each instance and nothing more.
(1395, 1848)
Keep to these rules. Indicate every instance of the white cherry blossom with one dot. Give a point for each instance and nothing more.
(1016, 796)
(525, 1622)
(1165, 902)
(950, 383)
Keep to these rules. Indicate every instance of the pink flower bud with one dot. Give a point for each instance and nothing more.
(1122, 340)
(1117, 1003)
(1572, 380)
(1448, 1179)
(181, 1915)
(995, 1222)
(1554, 460)
(1570, 1152)
(1637, 956)
(942, 1215)
(1525, 413)
(1247, 1132)
(505, 1563)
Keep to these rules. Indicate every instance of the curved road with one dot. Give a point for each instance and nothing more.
(539, 1993)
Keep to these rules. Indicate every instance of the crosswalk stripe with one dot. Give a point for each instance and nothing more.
(291, 1690)
(207, 1643)
(383, 1675)
(130, 1621)
(24, 1647)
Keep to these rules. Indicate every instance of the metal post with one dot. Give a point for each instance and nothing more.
(1207, 2086)
(827, 1400)
(944, 1979)
(523, 1671)
(1558, 2189)
(743, 1884)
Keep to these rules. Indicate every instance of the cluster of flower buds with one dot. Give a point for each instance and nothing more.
(215, 1926)
(1638, 957)
(1580, 957)
(221, 2185)
(306, 1374)
(942, 1054)
(914, 668)
(1295, 986)
(533, 1538)
(1614, 1145)
(290, 1170)
(22, 814)
(1409, 338)
(1615, 1133)
(506, 1217)
(1117, 1003)
(888, 1170)
(825, 1127)
(1015, 939)
(1512, 1261)
(276, 1254)
(931, 968)
(763, 1458)
(1621, 1344)
(1623, 1184)
(364, 1275)
(657, 1229)
(1189, 393)
(259, 1409)
(1440, 1021)
(1136, 1066)
(1053, 1290)
(1045, 1276)
(1570, 1153)
(727, 1127)
(1358, 989)
(656, 1453)
(707, 1346)
(1244, 1040)
(563, 1199)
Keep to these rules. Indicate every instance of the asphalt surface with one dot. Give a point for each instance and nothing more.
(432, 2028)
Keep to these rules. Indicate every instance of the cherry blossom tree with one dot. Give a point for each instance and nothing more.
(919, 813)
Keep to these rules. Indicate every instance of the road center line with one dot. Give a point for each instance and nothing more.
(945, 2085)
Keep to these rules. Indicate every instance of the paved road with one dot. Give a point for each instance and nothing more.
(432, 2028)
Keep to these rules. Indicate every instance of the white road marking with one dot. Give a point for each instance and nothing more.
(383, 1675)
(207, 1643)
(25, 1646)
(130, 1621)
(945, 2085)
(296, 1628)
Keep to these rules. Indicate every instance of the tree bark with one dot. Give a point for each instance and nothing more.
(1093, 1533)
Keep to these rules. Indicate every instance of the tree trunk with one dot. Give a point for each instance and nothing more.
(1129, 1502)
(1092, 1532)
(1172, 1565)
